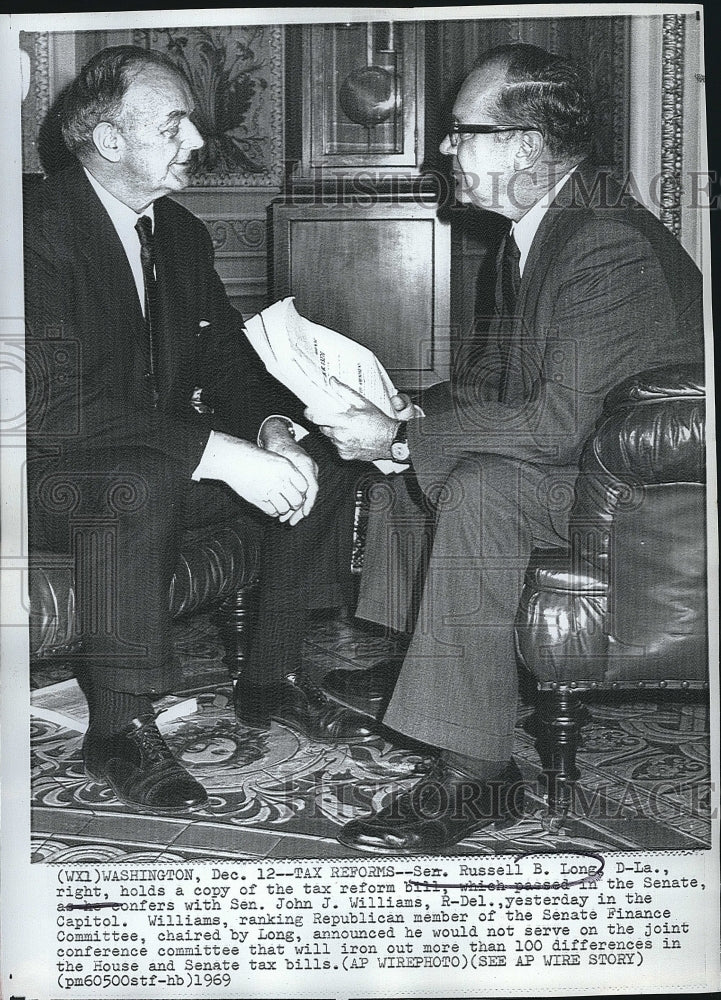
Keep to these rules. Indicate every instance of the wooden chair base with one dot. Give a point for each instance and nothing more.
(560, 715)
(235, 618)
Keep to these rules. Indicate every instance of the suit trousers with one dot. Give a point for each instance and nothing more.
(449, 563)
(123, 512)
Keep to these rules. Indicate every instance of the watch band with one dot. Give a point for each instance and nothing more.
(399, 445)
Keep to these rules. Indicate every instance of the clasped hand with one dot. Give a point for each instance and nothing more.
(282, 485)
(358, 428)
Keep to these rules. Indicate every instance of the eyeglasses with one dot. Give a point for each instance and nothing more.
(460, 129)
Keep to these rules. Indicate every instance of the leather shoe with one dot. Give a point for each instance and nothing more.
(365, 690)
(299, 704)
(140, 768)
(442, 808)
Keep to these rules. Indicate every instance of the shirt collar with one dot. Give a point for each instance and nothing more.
(524, 231)
(122, 217)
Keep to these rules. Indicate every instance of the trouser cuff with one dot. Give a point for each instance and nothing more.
(470, 743)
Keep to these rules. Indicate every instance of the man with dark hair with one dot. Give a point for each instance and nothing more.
(155, 430)
(591, 288)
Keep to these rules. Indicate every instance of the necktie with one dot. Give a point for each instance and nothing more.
(144, 229)
(510, 276)
(510, 283)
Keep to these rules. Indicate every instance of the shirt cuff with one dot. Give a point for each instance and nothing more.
(206, 460)
(388, 466)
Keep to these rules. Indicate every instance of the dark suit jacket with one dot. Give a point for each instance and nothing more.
(606, 291)
(86, 335)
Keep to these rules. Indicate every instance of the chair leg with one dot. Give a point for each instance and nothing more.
(560, 716)
(235, 619)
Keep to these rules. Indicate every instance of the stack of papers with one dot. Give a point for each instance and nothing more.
(304, 356)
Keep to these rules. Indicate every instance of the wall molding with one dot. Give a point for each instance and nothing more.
(42, 63)
(37, 102)
(672, 120)
(237, 235)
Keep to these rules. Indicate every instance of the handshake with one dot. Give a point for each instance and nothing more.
(278, 476)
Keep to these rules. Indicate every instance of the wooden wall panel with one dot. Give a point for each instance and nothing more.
(237, 222)
(378, 273)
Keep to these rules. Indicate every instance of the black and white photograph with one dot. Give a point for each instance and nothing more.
(360, 598)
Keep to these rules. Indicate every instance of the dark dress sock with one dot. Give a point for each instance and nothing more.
(277, 644)
(111, 711)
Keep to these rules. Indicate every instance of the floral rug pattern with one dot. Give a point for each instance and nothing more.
(644, 774)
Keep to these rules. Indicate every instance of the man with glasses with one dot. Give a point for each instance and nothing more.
(591, 288)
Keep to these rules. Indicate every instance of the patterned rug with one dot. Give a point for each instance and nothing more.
(644, 773)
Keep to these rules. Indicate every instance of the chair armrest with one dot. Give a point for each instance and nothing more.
(652, 430)
(654, 384)
(560, 634)
(565, 580)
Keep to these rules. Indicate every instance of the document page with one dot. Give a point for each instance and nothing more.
(305, 356)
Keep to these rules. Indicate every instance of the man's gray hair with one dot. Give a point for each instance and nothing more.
(96, 94)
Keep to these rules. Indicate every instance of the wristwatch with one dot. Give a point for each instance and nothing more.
(399, 445)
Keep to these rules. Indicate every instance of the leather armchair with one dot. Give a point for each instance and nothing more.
(217, 569)
(625, 608)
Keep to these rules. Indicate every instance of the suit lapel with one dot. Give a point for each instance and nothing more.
(107, 262)
(559, 221)
(174, 273)
(529, 337)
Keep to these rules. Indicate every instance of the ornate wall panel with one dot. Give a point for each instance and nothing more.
(237, 221)
(672, 121)
(37, 102)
